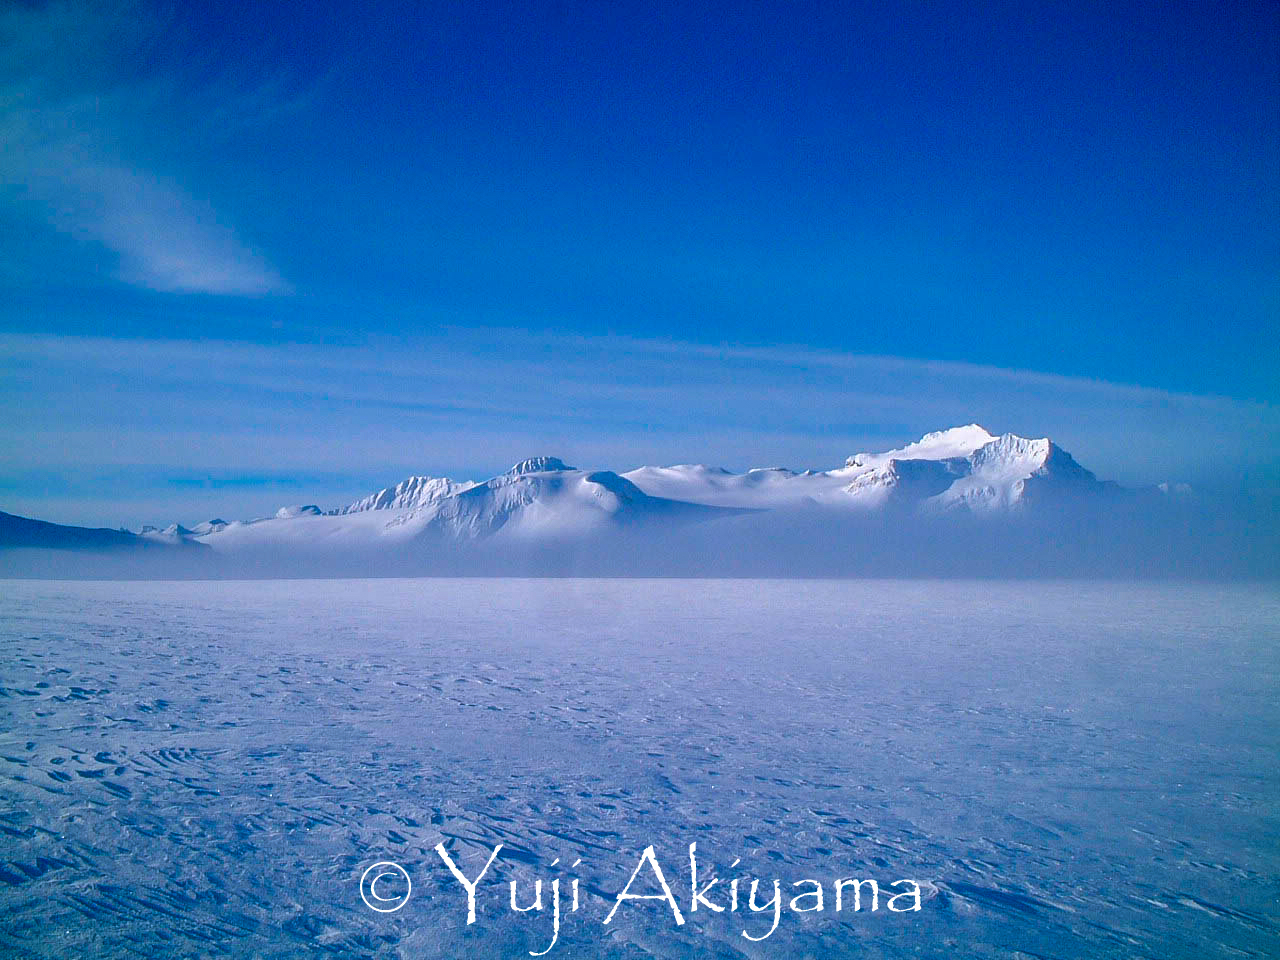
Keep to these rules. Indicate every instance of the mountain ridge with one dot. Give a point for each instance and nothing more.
(961, 470)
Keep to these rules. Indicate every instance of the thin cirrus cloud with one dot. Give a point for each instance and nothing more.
(164, 239)
(74, 157)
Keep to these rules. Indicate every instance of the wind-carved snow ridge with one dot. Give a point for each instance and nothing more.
(1011, 471)
(408, 494)
(942, 445)
(964, 469)
(540, 465)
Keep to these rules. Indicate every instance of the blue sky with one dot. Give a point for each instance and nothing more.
(257, 253)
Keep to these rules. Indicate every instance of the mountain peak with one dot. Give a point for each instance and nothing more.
(539, 465)
(413, 492)
(939, 445)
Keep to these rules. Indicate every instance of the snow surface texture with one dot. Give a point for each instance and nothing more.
(1070, 770)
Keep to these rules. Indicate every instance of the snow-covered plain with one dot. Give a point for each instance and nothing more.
(1070, 770)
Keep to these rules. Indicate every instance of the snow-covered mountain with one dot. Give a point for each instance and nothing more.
(538, 498)
(961, 468)
(410, 494)
(968, 468)
(545, 497)
(960, 502)
(174, 533)
(23, 533)
(962, 471)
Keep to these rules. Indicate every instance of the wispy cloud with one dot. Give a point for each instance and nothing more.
(69, 123)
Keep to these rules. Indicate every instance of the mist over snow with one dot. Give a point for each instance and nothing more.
(957, 502)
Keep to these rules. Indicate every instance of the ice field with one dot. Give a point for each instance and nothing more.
(1069, 770)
